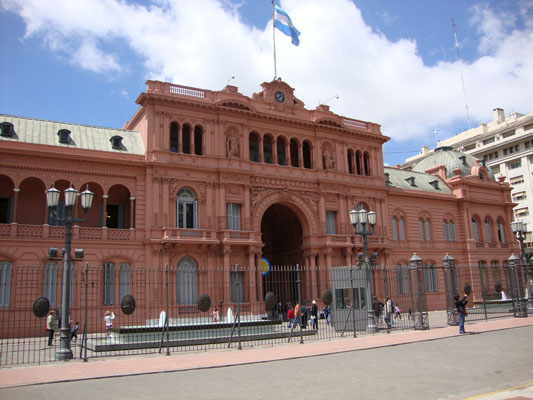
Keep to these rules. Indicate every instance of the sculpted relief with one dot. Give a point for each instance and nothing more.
(232, 143)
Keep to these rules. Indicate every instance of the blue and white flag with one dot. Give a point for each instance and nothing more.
(283, 22)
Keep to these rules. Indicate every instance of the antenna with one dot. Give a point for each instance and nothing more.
(462, 80)
(435, 132)
(331, 98)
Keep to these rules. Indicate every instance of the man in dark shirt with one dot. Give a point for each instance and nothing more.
(461, 310)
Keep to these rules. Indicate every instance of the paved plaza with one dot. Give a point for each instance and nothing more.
(495, 364)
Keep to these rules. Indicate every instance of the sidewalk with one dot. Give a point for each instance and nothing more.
(146, 364)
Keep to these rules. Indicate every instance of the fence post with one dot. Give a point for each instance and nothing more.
(450, 274)
(84, 338)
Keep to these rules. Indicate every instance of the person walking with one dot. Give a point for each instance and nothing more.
(461, 310)
(290, 316)
(314, 315)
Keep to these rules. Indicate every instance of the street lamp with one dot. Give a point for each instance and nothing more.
(52, 199)
(363, 224)
(520, 231)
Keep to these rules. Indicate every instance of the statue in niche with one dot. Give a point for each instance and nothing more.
(232, 146)
(329, 160)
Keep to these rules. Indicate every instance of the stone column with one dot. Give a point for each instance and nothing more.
(15, 203)
(104, 210)
(132, 212)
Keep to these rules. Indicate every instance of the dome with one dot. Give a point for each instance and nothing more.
(451, 159)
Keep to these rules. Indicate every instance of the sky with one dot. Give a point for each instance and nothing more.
(394, 63)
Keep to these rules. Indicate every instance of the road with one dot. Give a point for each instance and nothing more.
(452, 368)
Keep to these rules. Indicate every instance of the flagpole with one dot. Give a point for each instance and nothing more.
(274, 41)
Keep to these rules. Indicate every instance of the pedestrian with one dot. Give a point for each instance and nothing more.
(397, 312)
(108, 318)
(297, 314)
(314, 315)
(74, 331)
(327, 312)
(304, 311)
(378, 309)
(290, 315)
(461, 310)
(51, 326)
(388, 313)
(215, 315)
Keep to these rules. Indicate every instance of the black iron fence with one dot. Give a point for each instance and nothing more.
(127, 310)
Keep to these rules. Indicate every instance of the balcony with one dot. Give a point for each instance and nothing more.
(21, 231)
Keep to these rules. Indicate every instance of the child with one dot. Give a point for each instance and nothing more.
(108, 318)
(74, 331)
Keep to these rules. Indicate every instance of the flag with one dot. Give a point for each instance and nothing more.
(283, 22)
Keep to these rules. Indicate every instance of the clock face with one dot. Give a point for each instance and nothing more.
(280, 97)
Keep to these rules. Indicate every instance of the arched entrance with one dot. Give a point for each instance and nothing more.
(282, 235)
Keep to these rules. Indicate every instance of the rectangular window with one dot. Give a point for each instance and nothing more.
(402, 280)
(236, 286)
(495, 169)
(508, 134)
(517, 180)
(519, 196)
(109, 283)
(523, 212)
(489, 140)
(5, 283)
(527, 144)
(330, 222)
(515, 164)
(470, 147)
(430, 278)
(394, 229)
(50, 282)
(234, 216)
(343, 298)
(123, 280)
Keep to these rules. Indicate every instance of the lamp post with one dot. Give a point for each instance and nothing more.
(52, 199)
(520, 231)
(363, 223)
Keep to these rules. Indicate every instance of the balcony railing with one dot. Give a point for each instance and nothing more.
(22, 231)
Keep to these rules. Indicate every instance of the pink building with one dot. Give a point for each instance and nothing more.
(216, 178)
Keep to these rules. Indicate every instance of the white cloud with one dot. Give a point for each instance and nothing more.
(203, 43)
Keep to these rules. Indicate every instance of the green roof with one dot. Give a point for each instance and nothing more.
(37, 131)
(451, 159)
(405, 179)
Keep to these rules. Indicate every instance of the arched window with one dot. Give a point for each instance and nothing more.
(350, 161)
(282, 157)
(307, 155)
(402, 228)
(254, 146)
(475, 231)
(5, 283)
(174, 132)
(394, 228)
(501, 233)
(186, 139)
(294, 153)
(267, 149)
(198, 140)
(488, 235)
(186, 214)
(358, 162)
(50, 282)
(186, 282)
(421, 228)
(428, 230)
(366, 160)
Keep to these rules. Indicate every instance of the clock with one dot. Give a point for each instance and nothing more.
(280, 97)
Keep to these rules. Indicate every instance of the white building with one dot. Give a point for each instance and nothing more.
(505, 145)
